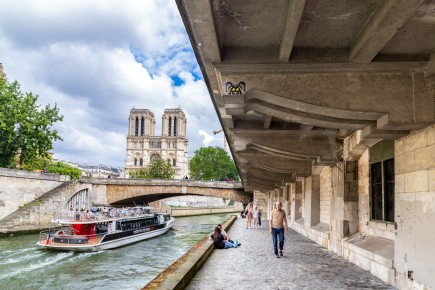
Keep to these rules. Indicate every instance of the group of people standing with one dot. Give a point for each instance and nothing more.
(252, 214)
(278, 226)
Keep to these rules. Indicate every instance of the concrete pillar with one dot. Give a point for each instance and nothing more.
(345, 189)
(312, 201)
(351, 197)
(296, 211)
(261, 201)
(269, 203)
(291, 196)
(286, 198)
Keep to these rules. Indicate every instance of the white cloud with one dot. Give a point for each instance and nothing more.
(207, 138)
(96, 60)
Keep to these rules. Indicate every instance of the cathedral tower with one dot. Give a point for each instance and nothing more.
(143, 146)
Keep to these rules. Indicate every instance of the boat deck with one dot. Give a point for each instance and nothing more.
(93, 241)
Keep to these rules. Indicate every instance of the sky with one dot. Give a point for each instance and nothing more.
(97, 59)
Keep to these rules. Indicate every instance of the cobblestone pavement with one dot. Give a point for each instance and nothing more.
(305, 265)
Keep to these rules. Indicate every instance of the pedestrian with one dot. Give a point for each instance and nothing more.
(249, 210)
(255, 216)
(259, 218)
(278, 225)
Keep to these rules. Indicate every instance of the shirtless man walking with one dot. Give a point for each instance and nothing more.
(277, 227)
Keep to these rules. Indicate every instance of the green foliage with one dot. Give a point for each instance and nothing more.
(38, 163)
(156, 169)
(25, 127)
(212, 163)
(64, 169)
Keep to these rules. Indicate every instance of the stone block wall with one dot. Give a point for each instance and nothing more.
(364, 192)
(325, 195)
(415, 209)
(19, 187)
(260, 200)
(38, 214)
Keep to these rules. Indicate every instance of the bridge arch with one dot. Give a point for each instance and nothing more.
(128, 191)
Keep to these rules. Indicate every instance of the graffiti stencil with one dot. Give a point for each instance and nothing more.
(235, 89)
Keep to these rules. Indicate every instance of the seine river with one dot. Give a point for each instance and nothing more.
(24, 266)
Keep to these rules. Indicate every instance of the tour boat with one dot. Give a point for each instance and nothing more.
(104, 230)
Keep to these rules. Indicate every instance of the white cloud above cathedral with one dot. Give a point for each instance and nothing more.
(98, 59)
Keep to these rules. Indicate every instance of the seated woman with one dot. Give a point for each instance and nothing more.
(220, 241)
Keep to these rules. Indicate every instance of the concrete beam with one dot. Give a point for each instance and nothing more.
(430, 69)
(203, 26)
(294, 14)
(300, 68)
(388, 18)
(267, 121)
(299, 167)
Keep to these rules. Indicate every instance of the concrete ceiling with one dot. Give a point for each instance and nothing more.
(292, 80)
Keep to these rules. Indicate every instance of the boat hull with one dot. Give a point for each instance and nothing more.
(109, 244)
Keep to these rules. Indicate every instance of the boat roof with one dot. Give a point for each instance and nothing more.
(69, 217)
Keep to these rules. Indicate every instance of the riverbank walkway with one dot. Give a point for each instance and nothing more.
(305, 265)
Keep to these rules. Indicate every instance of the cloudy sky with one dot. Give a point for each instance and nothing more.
(97, 59)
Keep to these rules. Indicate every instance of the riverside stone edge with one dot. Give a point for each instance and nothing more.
(179, 274)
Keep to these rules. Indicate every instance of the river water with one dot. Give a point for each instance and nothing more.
(24, 266)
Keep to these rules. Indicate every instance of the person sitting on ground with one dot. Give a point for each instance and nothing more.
(227, 236)
(219, 240)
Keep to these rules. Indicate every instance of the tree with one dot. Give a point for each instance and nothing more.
(212, 163)
(156, 169)
(64, 169)
(25, 127)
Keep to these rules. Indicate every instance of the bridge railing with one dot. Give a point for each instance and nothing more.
(176, 182)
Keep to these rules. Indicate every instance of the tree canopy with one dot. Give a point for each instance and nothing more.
(64, 169)
(25, 128)
(212, 163)
(156, 169)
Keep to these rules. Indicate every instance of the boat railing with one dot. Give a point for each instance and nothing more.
(68, 237)
(105, 214)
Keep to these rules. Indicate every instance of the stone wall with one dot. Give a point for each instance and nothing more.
(415, 208)
(325, 195)
(117, 193)
(19, 187)
(38, 214)
(260, 200)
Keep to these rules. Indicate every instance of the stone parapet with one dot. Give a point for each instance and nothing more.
(32, 175)
(180, 182)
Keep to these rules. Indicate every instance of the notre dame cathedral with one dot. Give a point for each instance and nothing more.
(143, 146)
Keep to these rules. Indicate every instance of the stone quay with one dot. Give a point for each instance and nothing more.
(304, 265)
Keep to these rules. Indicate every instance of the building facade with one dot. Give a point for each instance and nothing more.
(143, 145)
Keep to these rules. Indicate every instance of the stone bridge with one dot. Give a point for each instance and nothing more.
(29, 200)
(118, 192)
